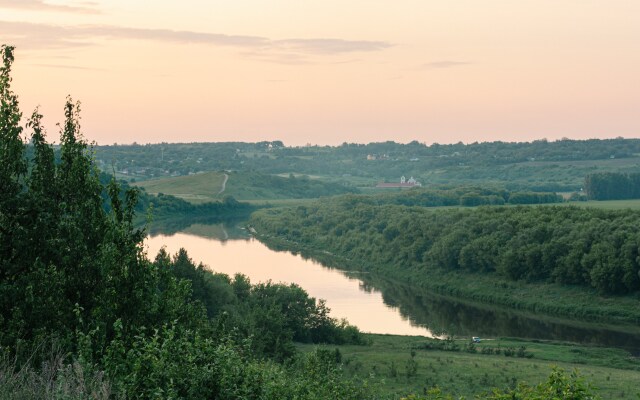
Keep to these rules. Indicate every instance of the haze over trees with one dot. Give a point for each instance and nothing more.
(537, 166)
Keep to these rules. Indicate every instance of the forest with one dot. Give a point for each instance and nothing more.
(84, 313)
(466, 196)
(447, 249)
(612, 186)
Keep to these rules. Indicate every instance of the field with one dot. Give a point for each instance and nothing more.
(245, 186)
(404, 364)
(611, 204)
(195, 188)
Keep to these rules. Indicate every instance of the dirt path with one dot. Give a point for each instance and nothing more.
(224, 184)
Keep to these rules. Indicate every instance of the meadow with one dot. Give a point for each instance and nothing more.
(197, 188)
(412, 364)
(244, 186)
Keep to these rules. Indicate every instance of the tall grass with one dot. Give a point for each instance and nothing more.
(55, 378)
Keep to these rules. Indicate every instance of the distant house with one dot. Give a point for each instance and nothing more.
(404, 183)
(377, 157)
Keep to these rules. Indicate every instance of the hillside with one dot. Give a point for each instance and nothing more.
(196, 188)
(539, 166)
(250, 185)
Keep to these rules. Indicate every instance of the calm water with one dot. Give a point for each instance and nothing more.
(372, 303)
(345, 296)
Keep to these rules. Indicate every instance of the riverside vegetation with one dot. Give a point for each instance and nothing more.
(85, 314)
(586, 257)
(405, 364)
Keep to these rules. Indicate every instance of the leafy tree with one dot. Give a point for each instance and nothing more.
(12, 166)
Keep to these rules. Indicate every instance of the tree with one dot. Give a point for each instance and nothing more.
(12, 164)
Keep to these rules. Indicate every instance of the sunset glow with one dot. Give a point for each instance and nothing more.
(332, 71)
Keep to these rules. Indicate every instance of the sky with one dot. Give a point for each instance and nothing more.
(331, 71)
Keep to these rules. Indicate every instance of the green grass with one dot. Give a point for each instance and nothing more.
(461, 373)
(611, 163)
(195, 188)
(282, 202)
(610, 204)
(244, 186)
(201, 188)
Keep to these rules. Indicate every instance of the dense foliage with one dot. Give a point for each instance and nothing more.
(538, 166)
(466, 196)
(163, 206)
(558, 386)
(76, 284)
(257, 185)
(280, 313)
(567, 245)
(612, 186)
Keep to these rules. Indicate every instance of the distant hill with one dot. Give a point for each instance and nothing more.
(196, 188)
(536, 166)
(250, 185)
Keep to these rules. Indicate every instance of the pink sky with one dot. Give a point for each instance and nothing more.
(331, 71)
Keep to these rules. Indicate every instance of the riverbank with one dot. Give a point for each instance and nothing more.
(578, 304)
(410, 364)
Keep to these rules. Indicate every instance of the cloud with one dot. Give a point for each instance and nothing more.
(278, 58)
(330, 46)
(31, 35)
(26, 35)
(354, 60)
(68, 67)
(41, 5)
(168, 35)
(444, 64)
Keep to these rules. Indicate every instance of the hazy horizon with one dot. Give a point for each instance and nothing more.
(330, 72)
(347, 142)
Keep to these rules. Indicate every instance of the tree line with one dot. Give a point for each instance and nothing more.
(567, 245)
(466, 196)
(612, 186)
(275, 157)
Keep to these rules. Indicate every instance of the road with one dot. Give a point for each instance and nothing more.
(224, 184)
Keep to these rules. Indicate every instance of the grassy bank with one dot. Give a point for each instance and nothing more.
(570, 302)
(405, 364)
(571, 262)
(633, 204)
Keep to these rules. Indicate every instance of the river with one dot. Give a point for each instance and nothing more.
(372, 303)
(345, 296)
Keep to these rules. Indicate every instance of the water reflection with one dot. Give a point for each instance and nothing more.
(446, 315)
(371, 302)
(208, 227)
(365, 309)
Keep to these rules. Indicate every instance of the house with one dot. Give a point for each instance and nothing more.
(404, 183)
